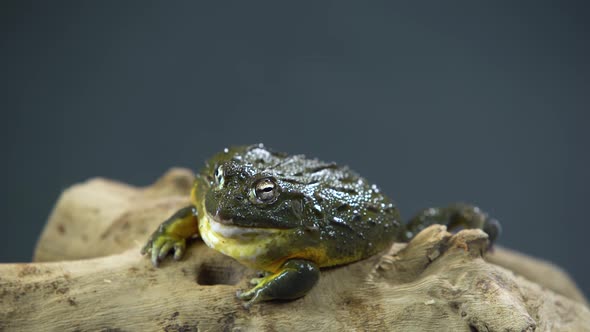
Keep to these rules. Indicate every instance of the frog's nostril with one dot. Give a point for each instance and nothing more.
(223, 217)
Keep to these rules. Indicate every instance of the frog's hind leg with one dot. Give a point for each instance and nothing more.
(172, 234)
(455, 216)
(295, 278)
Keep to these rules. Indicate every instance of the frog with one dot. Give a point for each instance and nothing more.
(290, 216)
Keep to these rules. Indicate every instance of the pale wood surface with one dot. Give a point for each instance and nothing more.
(88, 276)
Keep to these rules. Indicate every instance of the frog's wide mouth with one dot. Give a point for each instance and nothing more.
(226, 228)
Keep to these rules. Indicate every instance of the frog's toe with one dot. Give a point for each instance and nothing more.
(159, 246)
(154, 258)
(244, 295)
(248, 295)
(165, 249)
(147, 248)
(253, 300)
(255, 281)
(179, 250)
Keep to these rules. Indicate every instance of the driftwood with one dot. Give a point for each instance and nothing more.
(88, 275)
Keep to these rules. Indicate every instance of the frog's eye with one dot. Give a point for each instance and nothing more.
(219, 179)
(265, 190)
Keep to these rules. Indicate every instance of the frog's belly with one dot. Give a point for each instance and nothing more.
(249, 246)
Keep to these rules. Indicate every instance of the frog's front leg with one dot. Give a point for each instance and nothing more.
(455, 216)
(294, 279)
(172, 234)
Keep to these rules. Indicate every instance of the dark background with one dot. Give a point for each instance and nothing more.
(438, 102)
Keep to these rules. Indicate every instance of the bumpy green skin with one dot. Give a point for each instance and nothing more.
(327, 204)
(319, 214)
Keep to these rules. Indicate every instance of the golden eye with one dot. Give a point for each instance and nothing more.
(219, 179)
(266, 190)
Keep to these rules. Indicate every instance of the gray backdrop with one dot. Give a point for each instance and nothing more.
(436, 102)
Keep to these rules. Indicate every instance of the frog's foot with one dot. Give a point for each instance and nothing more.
(455, 216)
(159, 245)
(172, 235)
(468, 216)
(295, 278)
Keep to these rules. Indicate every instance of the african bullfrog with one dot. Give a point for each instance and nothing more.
(289, 216)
